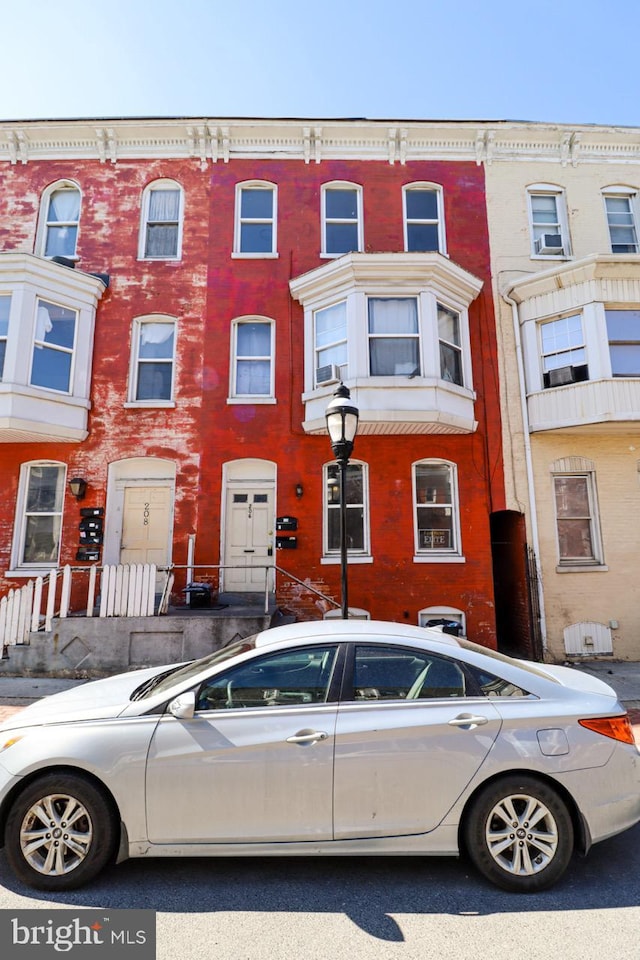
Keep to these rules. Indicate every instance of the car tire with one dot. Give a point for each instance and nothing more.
(519, 834)
(60, 832)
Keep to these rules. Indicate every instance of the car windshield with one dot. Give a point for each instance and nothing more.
(164, 681)
(503, 658)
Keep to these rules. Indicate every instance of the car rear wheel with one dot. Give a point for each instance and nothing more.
(60, 832)
(519, 834)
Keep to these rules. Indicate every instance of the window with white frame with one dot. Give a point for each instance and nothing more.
(394, 337)
(450, 345)
(153, 360)
(341, 218)
(252, 360)
(435, 508)
(255, 223)
(39, 515)
(53, 346)
(620, 206)
(549, 225)
(423, 219)
(330, 343)
(161, 230)
(576, 518)
(58, 235)
(357, 512)
(5, 305)
(564, 354)
(623, 332)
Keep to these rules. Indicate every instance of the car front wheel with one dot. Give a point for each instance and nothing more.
(60, 832)
(519, 834)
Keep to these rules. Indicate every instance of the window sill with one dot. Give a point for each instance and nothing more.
(361, 558)
(159, 259)
(439, 558)
(237, 255)
(582, 568)
(149, 405)
(334, 256)
(562, 258)
(30, 572)
(251, 400)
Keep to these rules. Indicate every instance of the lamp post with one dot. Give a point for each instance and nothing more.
(342, 424)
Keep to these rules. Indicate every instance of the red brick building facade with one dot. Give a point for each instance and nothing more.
(247, 274)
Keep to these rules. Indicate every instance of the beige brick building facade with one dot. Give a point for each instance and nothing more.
(563, 224)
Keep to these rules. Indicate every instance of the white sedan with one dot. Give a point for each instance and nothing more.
(333, 737)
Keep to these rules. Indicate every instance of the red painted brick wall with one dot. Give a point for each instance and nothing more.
(205, 291)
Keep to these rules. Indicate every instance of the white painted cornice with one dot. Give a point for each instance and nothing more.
(394, 141)
(596, 267)
(376, 271)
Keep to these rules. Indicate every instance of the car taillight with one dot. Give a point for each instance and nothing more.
(618, 728)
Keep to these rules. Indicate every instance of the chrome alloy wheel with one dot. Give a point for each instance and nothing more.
(521, 835)
(56, 834)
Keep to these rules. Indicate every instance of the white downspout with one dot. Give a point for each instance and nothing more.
(533, 512)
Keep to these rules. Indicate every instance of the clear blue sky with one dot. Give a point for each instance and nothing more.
(550, 60)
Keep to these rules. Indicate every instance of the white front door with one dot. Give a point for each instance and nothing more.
(146, 525)
(249, 537)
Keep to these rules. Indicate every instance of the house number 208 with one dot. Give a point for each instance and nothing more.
(146, 515)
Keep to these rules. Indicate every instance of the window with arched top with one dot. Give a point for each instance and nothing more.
(256, 221)
(153, 352)
(436, 510)
(161, 225)
(59, 220)
(342, 230)
(548, 221)
(423, 217)
(39, 507)
(576, 510)
(252, 359)
(621, 208)
(356, 509)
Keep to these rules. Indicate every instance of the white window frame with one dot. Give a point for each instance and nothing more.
(252, 398)
(156, 186)
(415, 371)
(586, 472)
(20, 526)
(341, 368)
(325, 221)
(407, 221)
(568, 350)
(560, 226)
(441, 612)
(333, 555)
(39, 343)
(4, 337)
(44, 223)
(624, 343)
(631, 196)
(443, 554)
(239, 221)
(136, 360)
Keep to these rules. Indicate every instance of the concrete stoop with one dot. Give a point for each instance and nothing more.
(81, 647)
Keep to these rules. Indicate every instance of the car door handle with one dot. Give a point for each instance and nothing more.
(307, 736)
(467, 720)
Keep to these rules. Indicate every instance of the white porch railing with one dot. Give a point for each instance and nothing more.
(125, 591)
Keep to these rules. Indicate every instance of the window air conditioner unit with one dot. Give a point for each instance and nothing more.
(330, 373)
(549, 244)
(562, 375)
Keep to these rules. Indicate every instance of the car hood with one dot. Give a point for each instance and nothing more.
(576, 679)
(95, 700)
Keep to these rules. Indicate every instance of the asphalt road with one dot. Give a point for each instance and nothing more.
(369, 909)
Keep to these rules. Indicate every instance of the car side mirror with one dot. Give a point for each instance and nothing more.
(183, 707)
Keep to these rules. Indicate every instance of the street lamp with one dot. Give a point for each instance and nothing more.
(342, 424)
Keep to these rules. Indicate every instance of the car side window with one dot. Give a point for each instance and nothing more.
(278, 679)
(492, 686)
(399, 673)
